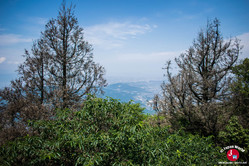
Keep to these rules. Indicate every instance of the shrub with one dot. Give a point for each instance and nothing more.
(235, 134)
(106, 132)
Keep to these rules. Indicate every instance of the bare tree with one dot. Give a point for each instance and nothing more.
(33, 71)
(58, 72)
(72, 71)
(208, 63)
(196, 95)
(18, 105)
(27, 97)
(60, 69)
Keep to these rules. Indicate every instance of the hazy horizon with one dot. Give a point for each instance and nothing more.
(131, 39)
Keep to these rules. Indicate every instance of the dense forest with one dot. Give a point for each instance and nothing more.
(50, 114)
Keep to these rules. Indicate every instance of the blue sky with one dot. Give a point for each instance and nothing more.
(132, 39)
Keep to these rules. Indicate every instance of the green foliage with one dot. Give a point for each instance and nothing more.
(106, 132)
(235, 134)
(242, 77)
(240, 89)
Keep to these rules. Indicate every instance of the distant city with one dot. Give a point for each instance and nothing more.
(140, 92)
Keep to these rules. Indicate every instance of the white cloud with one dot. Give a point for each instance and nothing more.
(38, 20)
(14, 62)
(153, 57)
(245, 43)
(113, 34)
(2, 59)
(9, 39)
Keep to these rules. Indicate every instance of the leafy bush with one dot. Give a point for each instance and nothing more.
(106, 132)
(235, 134)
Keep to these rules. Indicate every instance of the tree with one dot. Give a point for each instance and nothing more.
(72, 71)
(240, 89)
(58, 72)
(34, 71)
(196, 96)
(17, 106)
(60, 69)
(27, 96)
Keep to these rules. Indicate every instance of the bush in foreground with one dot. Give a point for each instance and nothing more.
(106, 132)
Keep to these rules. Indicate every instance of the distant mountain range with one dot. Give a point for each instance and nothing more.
(139, 92)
